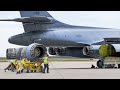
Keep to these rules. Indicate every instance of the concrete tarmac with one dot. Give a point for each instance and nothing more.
(64, 70)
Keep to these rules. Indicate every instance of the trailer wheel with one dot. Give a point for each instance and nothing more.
(31, 71)
(99, 63)
(35, 71)
(118, 65)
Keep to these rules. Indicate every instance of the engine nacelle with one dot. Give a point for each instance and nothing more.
(60, 51)
(109, 50)
(103, 50)
(116, 47)
(91, 50)
(52, 51)
(32, 52)
(57, 51)
(35, 51)
(13, 53)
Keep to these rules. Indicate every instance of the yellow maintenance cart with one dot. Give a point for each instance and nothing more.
(32, 66)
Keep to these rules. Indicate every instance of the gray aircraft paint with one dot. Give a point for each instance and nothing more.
(52, 33)
(65, 37)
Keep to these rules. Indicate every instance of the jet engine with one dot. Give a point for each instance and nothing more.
(102, 50)
(32, 52)
(91, 50)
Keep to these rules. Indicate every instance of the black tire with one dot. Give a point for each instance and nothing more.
(100, 64)
(31, 71)
(118, 65)
(27, 71)
(22, 71)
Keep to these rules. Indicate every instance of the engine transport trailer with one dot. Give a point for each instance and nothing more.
(32, 66)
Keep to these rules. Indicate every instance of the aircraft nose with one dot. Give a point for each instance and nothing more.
(10, 40)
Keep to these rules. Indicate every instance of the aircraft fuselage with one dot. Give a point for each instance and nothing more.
(65, 36)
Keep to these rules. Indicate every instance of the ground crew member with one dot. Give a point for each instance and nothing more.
(11, 66)
(22, 63)
(46, 64)
(19, 68)
(27, 62)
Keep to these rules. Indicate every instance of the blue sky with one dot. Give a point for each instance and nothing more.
(108, 19)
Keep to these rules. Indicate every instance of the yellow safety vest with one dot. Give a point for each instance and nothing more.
(27, 61)
(13, 61)
(22, 61)
(45, 60)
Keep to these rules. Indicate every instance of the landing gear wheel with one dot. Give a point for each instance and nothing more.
(100, 64)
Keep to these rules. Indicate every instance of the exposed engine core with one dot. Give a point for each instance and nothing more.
(32, 52)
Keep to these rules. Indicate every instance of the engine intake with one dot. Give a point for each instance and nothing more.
(35, 51)
(91, 50)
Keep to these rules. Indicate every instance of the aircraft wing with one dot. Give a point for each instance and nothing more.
(38, 19)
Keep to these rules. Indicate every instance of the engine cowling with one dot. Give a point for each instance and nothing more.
(32, 52)
(107, 50)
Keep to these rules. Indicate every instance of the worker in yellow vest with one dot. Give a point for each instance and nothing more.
(22, 62)
(12, 65)
(19, 68)
(27, 61)
(13, 68)
(46, 63)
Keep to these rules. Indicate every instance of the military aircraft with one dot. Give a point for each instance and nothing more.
(42, 30)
